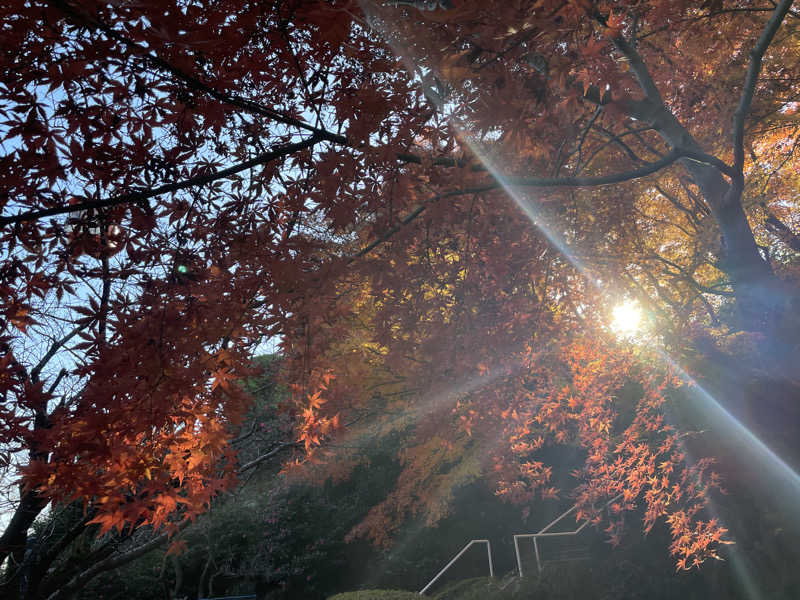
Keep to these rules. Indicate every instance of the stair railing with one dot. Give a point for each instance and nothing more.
(545, 532)
(459, 555)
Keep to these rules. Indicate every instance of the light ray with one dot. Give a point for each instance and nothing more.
(769, 459)
(718, 414)
(738, 560)
(528, 208)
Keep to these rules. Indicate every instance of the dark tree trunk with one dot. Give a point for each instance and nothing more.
(14, 542)
(763, 301)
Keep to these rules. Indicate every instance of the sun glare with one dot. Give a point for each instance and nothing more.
(627, 318)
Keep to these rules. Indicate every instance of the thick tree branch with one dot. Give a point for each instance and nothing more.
(54, 384)
(639, 69)
(780, 229)
(81, 579)
(144, 195)
(751, 78)
(654, 110)
(15, 535)
(643, 171)
(502, 181)
(749, 273)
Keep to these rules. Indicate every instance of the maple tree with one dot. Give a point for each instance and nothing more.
(427, 193)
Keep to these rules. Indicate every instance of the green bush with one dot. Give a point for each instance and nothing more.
(478, 588)
(376, 595)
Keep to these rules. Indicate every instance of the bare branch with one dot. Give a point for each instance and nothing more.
(36, 371)
(259, 459)
(753, 69)
(61, 374)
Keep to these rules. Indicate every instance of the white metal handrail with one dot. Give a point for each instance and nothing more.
(456, 557)
(544, 532)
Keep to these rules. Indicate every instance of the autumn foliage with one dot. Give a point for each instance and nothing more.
(431, 210)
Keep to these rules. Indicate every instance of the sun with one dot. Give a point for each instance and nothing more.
(627, 317)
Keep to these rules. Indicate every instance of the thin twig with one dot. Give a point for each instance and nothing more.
(191, 81)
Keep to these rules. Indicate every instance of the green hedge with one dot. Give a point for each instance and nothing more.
(376, 595)
(479, 588)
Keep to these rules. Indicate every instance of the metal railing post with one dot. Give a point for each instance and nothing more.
(519, 560)
(489, 553)
(544, 532)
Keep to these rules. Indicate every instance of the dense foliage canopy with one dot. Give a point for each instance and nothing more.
(431, 205)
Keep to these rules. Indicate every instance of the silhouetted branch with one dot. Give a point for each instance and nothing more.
(144, 195)
(753, 69)
(191, 81)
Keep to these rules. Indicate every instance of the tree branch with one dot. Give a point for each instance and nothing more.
(15, 535)
(113, 562)
(192, 82)
(259, 459)
(501, 181)
(643, 171)
(774, 225)
(410, 217)
(81, 579)
(54, 550)
(689, 277)
(51, 352)
(639, 69)
(106, 291)
(440, 161)
(751, 78)
(143, 196)
(679, 205)
(613, 139)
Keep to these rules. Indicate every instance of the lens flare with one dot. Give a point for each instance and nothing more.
(627, 317)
